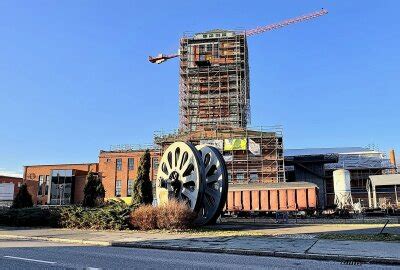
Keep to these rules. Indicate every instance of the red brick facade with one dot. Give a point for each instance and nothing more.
(111, 173)
(107, 169)
(32, 175)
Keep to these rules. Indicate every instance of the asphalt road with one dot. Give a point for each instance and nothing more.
(22, 254)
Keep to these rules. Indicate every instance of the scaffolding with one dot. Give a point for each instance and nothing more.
(263, 165)
(214, 80)
(131, 147)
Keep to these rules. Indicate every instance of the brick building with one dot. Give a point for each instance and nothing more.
(64, 183)
(16, 181)
(58, 183)
(118, 170)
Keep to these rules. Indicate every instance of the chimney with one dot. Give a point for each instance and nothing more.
(392, 159)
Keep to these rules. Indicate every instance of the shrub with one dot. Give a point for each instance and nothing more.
(171, 216)
(23, 198)
(174, 215)
(142, 191)
(94, 191)
(114, 215)
(144, 218)
(29, 217)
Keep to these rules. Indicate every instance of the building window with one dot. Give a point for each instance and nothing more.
(119, 164)
(215, 52)
(131, 164)
(240, 177)
(229, 178)
(118, 188)
(253, 177)
(155, 163)
(46, 189)
(40, 188)
(130, 186)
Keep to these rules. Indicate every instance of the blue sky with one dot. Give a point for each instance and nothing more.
(74, 76)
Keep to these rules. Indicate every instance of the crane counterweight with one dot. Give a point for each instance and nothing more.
(160, 58)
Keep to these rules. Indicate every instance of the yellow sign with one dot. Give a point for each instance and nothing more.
(127, 200)
(163, 196)
(235, 144)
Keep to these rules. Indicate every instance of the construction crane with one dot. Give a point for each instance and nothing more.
(160, 58)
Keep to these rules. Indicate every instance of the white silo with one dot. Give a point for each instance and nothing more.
(342, 187)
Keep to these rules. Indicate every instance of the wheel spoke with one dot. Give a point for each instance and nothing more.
(213, 193)
(209, 200)
(182, 165)
(213, 178)
(216, 184)
(162, 175)
(190, 195)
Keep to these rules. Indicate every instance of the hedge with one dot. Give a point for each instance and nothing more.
(115, 215)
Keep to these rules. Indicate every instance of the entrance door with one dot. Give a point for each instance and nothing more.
(61, 187)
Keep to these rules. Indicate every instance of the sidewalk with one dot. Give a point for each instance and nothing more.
(276, 240)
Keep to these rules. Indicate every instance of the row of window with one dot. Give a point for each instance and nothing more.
(43, 186)
(118, 188)
(131, 164)
(240, 177)
(216, 35)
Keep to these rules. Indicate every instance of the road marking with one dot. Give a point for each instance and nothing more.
(27, 259)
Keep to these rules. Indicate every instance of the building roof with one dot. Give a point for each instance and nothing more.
(269, 186)
(385, 180)
(325, 151)
(11, 177)
(61, 164)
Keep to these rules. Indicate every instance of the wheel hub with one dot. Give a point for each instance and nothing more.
(196, 176)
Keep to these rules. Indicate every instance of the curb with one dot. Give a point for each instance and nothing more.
(55, 239)
(281, 254)
(248, 252)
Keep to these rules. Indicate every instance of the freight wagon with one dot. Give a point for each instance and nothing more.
(271, 197)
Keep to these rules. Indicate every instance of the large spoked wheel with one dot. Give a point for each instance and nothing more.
(180, 175)
(216, 189)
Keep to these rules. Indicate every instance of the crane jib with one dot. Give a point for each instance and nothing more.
(259, 30)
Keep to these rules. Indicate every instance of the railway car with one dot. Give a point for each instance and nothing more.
(272, 197)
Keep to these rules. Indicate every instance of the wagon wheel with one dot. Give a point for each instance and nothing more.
(180, 175)
(216, 188)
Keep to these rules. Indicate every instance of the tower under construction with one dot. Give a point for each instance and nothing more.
(214, 102)
(214, 80)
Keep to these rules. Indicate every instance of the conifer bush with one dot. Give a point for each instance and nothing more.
(142, 191)
(115, 215)
(29, 217)
(94, 191)
(23, 198)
